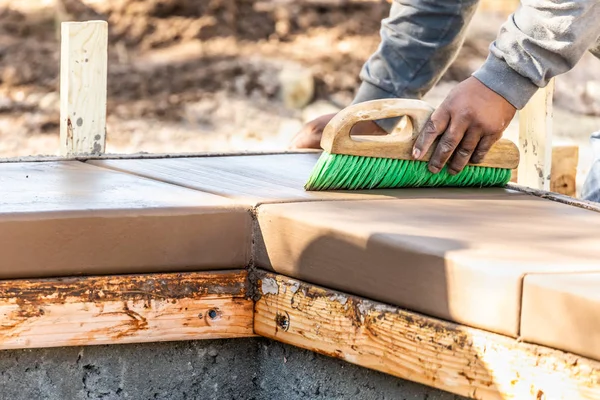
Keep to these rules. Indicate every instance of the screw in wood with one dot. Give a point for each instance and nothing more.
(283, 321)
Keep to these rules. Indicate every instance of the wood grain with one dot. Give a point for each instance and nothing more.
(124, 309)
(535, 140)
(458, 359)
(563, 175)
(83, 87)
(336, 137)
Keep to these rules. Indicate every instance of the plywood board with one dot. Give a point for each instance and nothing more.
(458, 258)
(70, 218)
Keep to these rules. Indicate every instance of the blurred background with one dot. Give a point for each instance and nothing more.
(231, 75)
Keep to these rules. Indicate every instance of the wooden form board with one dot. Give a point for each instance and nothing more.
(454, 358)
(124, 309)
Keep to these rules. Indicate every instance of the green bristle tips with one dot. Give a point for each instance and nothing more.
(345, 172)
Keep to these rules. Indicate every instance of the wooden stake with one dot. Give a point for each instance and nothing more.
(83, 80)
(535, 140)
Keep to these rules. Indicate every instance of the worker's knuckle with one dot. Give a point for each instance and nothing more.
(430, 128)
(464, 151)
(492, 130)
(447, 145)
(480, 153)
(489, 138)
(477, 126)
(465, 115)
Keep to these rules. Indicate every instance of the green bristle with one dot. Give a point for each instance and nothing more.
(345, 172)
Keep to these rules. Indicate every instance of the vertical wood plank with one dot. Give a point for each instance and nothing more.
(564, 170)
(563, 176)
(535, 140)
(83, 83)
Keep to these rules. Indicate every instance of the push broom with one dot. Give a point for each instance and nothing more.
(377, 162)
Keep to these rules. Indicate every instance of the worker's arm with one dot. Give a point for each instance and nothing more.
(541, 40)
(419, 40)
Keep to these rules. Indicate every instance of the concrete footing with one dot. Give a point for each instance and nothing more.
(240, 369)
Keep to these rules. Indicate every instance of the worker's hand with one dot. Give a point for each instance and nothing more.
(309, 136)
(469, 121)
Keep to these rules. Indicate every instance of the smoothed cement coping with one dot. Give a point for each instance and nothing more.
(261, 179)
(460, 258)
(562, 311)
(70, 218)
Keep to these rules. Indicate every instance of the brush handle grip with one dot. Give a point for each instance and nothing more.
(336, 137)
(337, 133)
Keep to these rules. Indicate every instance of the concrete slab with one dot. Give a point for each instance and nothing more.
(461, 258)
(70, 218)
(562, 311)
(260, 179)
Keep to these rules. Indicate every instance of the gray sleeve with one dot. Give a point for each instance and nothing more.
(419, 40)
(541, 40)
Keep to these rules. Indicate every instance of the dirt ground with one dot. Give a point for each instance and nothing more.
(208, 75)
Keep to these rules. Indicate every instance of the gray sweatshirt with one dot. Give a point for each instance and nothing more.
(421, 38)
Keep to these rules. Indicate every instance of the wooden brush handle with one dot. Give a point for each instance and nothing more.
(336, 137)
